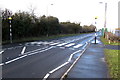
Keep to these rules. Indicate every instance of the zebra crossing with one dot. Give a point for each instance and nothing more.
(62, 45)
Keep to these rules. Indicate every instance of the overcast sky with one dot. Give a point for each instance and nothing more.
(83, 11)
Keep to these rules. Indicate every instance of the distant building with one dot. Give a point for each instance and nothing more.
(117, 32)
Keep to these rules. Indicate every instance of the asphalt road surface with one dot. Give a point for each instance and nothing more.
(36, 59)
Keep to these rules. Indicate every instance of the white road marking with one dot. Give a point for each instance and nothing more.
(39, 42)
(41, 51)
(33, 42)
(35, 50)
(46, 76)
(1, 64)
(62, 44)
(1, 52)
(77, 46)
(15, 59)
(71, 44)
(62, 47)
(44, 43)
(23, 50)
(72, 65)
(54, 43)
(72, 55)
(26, 55)
(58, 67)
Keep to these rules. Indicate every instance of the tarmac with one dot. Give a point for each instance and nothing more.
(92, 63)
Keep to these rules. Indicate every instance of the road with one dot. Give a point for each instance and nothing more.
(37, 59)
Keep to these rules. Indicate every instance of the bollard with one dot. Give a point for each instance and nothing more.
(95, 39)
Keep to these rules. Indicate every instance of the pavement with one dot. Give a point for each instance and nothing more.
(91, 64)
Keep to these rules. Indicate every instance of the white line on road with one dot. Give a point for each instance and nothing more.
(72, 55)
(46, 76)
(1, 64)
(26, 55)
(72, 64)
(58, 67)
(41, 50)
(54, 43)
(62, 44)
(71, 44)
(15, 59)
(23, 50)
(77, 46)
(1, 52)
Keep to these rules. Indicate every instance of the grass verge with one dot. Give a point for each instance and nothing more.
(106, 42)
(112, 59)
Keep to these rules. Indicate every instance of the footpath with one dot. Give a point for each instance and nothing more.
(91, 64)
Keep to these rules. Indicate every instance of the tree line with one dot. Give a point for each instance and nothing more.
(26, 25)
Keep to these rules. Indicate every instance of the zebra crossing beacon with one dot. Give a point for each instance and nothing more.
(95, 29)
(10, 29)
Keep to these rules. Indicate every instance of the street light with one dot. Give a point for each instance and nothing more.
(47, 16)
(48, 8)
(10, 29)
(105, 17)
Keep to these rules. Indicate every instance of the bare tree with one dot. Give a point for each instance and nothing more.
(32, 10)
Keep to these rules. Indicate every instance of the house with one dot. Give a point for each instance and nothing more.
(117, 32)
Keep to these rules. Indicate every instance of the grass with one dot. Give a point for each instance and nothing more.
(41, 38)
(106, 42)
(112, 59)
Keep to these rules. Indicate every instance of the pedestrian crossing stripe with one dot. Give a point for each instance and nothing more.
(77, 46)
(71, 44)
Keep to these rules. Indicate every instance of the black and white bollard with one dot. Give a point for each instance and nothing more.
(95, 37)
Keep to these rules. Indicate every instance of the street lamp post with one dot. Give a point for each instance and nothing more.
(47, 16)
(104, 18)
(48, 9)
(10, 29)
